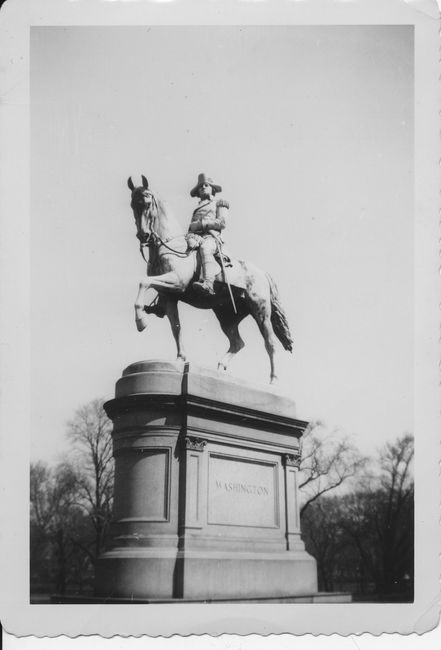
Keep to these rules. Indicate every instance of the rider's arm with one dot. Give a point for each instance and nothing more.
(213, 224)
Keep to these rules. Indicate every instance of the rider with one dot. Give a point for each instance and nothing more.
(204, 231)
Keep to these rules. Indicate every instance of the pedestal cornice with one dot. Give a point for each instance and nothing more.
(203, 393)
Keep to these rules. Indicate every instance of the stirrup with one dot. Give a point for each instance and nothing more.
(154, 309)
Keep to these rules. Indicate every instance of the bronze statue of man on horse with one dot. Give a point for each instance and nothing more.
(178, 273)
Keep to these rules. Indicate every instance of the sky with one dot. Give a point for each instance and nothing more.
(309, 130)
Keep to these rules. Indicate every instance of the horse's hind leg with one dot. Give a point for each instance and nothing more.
(268, 336)
(261, 312)
(171, 309)
(229, 322)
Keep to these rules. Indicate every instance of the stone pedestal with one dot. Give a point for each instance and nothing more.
(206, 496)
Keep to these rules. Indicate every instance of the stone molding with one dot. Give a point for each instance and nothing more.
(249, 417)
(188, 404)
(125, 449)
(238, 440)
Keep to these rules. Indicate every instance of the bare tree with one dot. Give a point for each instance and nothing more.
(380, 518)
(320, 528)
(363, 538)
(396, 476)
(329, 458)
(394, 524)
(90, 433)
(54, 518)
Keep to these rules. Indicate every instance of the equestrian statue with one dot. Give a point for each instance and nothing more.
(193, 268)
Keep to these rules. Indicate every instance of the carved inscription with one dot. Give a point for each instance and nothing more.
(241, 488)
(242, 492)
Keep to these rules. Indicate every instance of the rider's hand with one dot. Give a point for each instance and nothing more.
(193, 241)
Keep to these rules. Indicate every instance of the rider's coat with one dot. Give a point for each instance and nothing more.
(207, 210)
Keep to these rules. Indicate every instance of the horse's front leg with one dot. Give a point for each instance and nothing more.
(171, 309)
(168, 281)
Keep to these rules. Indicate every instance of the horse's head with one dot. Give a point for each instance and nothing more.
(144, 208)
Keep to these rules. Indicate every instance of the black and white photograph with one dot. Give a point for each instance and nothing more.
(221, 302)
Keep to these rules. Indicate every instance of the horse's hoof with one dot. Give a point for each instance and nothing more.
(222, 367)
(273, 380)
(141, 324)
(181, 357)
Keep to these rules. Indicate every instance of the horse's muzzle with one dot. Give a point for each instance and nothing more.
(143, 237)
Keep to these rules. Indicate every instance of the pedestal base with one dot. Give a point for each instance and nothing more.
(208, 575)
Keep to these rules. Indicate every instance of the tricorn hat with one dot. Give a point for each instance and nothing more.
(203, 178)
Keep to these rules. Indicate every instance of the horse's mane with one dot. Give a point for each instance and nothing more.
(165, 223)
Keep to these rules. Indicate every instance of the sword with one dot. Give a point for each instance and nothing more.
(224, 273)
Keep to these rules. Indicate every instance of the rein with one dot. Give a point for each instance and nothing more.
(175, 252)
(157, 238)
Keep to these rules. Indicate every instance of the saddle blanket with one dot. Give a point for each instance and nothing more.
(234, 274)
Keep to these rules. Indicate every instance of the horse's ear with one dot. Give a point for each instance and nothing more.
(145, 183)
(130, 184)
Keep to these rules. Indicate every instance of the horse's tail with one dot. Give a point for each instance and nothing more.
(279, 320)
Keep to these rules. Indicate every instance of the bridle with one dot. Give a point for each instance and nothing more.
(153, 238)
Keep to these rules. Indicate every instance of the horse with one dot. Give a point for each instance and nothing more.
(172, 269)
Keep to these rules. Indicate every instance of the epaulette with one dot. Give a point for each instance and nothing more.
(221, 203)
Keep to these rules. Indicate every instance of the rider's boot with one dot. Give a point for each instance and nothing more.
(209, 269)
